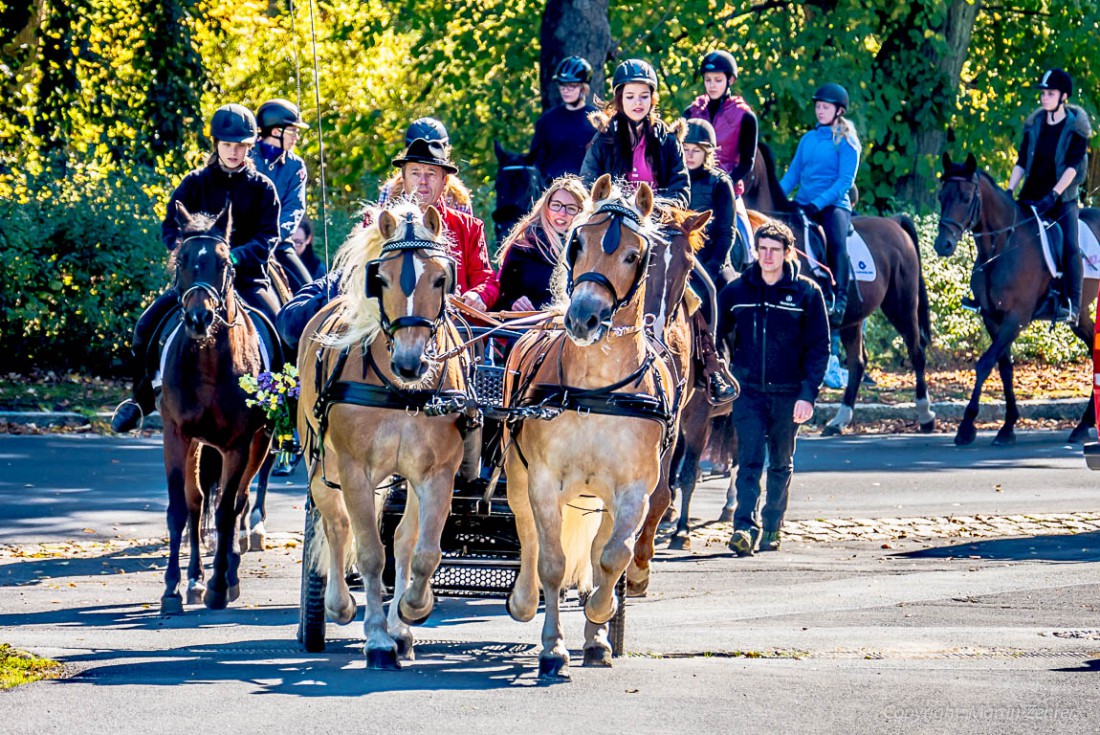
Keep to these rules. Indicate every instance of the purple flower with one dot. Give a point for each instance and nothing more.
(295, 391)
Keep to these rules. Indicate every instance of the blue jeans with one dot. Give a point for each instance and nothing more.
(763, 421)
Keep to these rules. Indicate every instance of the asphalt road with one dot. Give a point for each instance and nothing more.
(952, 637)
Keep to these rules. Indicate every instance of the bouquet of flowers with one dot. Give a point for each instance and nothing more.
(277, 395)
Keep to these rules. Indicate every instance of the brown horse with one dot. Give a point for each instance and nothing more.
(202, 404)
(380, 403)
(898, 288)
(593, 408)
(1010, 281)
(670, 269)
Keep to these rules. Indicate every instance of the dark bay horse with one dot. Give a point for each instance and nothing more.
(203, 405)
(518, 184)
(898, 289)
(1010, 281)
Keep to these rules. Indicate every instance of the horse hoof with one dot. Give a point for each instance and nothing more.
(553, 668)
(410, 618)
(383, 659)
(637, 589)
(670, 517)
(929, 427)
(518, 615)
(215, 600)
(195, 593)
(257, 542)
(171, 605)
(596, 621)
(597, 656)
(1079, 435)
(726, 516)
(243, 542)
(345, 616)
(234, 592)
(679, 542)
(1005, 438)
(830, 430)
(966, 435)
(405, 647)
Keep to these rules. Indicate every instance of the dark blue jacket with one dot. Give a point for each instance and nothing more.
(310, 299)
(526, 271)
(561, 138)
(713, 190)
(254, 228)
(287, 172)
(778, 335)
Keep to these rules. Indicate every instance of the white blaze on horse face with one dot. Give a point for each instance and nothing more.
(662, 315)
(202, 251)
(418, 269)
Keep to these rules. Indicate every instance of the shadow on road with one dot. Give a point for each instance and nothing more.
(1082, 547)
(31, 571)
(275, 666)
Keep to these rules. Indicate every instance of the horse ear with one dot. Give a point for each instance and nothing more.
(224, 220)
(182, 215)
(698, 221)
(433, 221)
(643, 200)
(946, 161)
(602, 188)
(498, 149)
(387, 225)
(971, 163)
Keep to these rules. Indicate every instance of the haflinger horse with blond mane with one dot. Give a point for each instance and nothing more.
(379, 400)
(593, 413)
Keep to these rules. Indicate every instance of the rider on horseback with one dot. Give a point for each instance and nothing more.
(563, 133)
(280, 129)
(735, 133)
(1052, 163)
(633, 143)
(455, 194)
(823, 171)
(229, 178)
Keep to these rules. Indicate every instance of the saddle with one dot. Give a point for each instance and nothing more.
(271, 347)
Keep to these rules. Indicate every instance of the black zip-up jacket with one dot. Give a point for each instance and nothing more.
(254, 229)
(777, 336)
(610, 153)
(713, 190)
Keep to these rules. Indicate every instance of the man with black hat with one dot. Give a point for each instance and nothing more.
(280, 125)
(425, 167)
(1052, 162)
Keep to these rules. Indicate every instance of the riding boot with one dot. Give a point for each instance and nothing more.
(1070, 308)
(840, 299)
(722, 387)
(132, 412)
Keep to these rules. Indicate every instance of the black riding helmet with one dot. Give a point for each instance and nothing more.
(279, 114)
(701, 133)
(719, 61)
(634, 70)
(233, 124)
(832, 93)
(1057, 79)
(573, 70)
(427, 128)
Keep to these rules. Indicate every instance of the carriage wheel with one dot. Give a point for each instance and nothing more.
(311, 611)
(616, 627)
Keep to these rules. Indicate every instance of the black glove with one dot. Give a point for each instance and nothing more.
(811, 210)
(1047, 203)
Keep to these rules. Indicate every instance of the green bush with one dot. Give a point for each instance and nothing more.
(958, 336)
(82, 257)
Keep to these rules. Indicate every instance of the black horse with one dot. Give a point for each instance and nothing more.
(518, 184)
(1010, 280)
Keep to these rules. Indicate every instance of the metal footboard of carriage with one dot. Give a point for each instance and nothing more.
(481, 549)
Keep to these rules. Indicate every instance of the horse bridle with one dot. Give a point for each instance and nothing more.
(403, 248)
(217, 294)
(973, 211)
(618, 215)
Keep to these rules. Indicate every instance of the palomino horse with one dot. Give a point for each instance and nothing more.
(517, 186)
(583, 455)
(898, 288)
(1010, 281)
(670, 268)
(202, 404)
(379, 404)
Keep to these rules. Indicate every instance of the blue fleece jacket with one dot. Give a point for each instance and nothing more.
(822, 171)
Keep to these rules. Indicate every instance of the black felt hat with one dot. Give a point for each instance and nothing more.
(432, 152)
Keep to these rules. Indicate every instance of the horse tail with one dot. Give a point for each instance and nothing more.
(579, 523)
(924, 319)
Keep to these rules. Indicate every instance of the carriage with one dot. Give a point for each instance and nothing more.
(480, 543)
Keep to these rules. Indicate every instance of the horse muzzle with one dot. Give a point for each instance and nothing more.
(587, 319)
(197, 321)
(945, 244)
(408, 361)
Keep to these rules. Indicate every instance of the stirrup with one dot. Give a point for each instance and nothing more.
(141, 420)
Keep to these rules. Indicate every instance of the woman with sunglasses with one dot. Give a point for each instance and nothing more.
(531, 252)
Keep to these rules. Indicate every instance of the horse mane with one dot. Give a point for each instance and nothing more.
(361, 317)
(776, 191)
(199, 223)
(673, 216)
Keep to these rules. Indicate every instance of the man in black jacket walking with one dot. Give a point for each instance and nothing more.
(773, 322)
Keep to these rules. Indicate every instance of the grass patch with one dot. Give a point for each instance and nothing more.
(18, 668)
(58, 392)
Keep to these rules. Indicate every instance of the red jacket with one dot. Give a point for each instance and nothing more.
(466, 234)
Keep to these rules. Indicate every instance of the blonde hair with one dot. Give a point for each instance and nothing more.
(454, 195)
(843, 128)
(538, 214)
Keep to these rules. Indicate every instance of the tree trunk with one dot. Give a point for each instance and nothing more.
(573, 28)
(929, 69)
